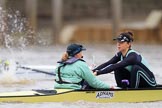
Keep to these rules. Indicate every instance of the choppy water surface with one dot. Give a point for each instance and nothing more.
(95, 54)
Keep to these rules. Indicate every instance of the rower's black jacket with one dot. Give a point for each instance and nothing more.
(115, 63)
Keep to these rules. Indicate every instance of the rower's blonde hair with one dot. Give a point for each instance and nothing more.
(65, 56)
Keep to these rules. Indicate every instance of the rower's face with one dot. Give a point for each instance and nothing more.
(79, 55)
(122, 46)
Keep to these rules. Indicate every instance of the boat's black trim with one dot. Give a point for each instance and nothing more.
(158, 87)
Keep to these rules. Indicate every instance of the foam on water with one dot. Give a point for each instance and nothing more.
(8, 77)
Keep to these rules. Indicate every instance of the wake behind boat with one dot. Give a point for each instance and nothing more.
(99, 96)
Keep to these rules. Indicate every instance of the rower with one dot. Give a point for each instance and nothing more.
(128, 64)
(73, 71)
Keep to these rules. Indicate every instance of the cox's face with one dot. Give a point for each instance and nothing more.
(79, 55)
(122, 46)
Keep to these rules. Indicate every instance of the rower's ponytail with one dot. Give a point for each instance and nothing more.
(131, 35)
(65, 56)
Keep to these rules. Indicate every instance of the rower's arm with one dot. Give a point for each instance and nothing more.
(129, 60)
(113, 60)
(92, 80)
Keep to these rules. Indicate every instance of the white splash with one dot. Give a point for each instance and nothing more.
(15, 30)
(8, 76)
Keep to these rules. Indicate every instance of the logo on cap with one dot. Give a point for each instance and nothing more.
(123, 38)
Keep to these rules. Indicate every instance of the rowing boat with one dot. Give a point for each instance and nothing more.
(68, 95)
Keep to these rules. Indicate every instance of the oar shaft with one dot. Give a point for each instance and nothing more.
(36, 70)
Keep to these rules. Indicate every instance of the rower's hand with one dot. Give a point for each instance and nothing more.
(114, 87)
(95, 73)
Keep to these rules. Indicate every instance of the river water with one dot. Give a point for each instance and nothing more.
(49, 55)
